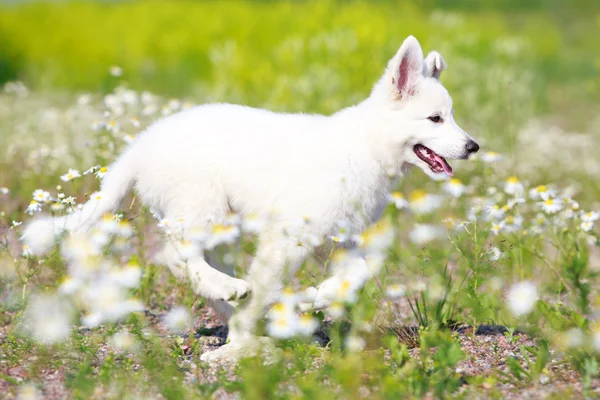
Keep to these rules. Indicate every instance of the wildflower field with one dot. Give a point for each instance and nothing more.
(487, 283)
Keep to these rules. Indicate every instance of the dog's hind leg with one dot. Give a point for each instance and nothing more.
(276, 258)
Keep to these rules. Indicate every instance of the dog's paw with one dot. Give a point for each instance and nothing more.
(233, 289)
(250, 347)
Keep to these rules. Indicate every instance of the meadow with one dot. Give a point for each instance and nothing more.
(488, 282)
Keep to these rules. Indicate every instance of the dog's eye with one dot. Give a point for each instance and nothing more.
(435, 118)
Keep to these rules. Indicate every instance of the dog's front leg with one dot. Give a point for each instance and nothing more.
(274, 262)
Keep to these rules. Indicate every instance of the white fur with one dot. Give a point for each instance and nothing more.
(202, 163)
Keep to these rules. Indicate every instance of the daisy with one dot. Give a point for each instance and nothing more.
(336, 310)
(178, 320)
(306, 325)
(513, 186)
(69, 176)
(542, 192)
(395, 291)
(587, 226)
(283, 327)
(551, 206)
(497, 227)
(101, 172)
(26, 251)
(4, 190)
(41, 196)
(115, 71)
(222, 234)
(33, 207)
(422, 202)
(425, 233)
(490, 157)
(454, 187)
(494, 254)
(590, 216)
(522, 298)
(398, 200)
(69, 201)
(355, 343)
(187, 249)
(495, 212)
(96, 196)
(48, 318)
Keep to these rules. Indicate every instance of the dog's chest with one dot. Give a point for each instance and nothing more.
(365, 192)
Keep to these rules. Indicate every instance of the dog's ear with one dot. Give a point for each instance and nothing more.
(407, 67)
(434, 65)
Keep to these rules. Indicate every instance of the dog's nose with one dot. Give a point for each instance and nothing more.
(472, 146)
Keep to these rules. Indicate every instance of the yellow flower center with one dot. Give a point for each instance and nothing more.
(512, 179)
(417, 195)
(542, 189)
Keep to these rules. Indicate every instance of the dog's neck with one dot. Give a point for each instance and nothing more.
(363, 122)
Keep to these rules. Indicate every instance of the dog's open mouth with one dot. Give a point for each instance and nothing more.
(436, 162)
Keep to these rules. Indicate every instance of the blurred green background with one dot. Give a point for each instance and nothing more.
(247, 47)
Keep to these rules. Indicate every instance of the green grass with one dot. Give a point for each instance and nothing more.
(523, 76)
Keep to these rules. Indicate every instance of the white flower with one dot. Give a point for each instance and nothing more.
(4, 190)
(282, 328)
(124, 341)
(41, 196)
(425, 233)
(490, 157)
(96, 196)
(513, 223)
(124, 229)
(252, 224)
(187, 249)
(551, 206)
(497, 227)
(454, 187)
(15, 224)
(422, 202)
(355, 343)
(344, 232)
(128, 277)
(494, 254)
(222, 234)
(541, 192)
(495, 212)
(69, 176)
(522, 297)
(178, 320)
(48, 318)
(336, 310)
(395, 291)
(573, 338)
(101, 172)
(513, 186)
(590, 216)
(29, 391)
(116, 71)
(33, 207)
(108, 224)
(69, 200)
(27, 251)
(306, 325)
(107, 302)
(398, 200)
(587, 226)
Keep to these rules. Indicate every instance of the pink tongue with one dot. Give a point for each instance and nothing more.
(447, 168)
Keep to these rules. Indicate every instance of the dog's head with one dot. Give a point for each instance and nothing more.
(417, 117)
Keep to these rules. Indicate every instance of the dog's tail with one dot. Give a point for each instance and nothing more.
(40, 234)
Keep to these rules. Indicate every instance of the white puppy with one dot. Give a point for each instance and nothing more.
(206, 162)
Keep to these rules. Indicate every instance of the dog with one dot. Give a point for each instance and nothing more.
(202, 163)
